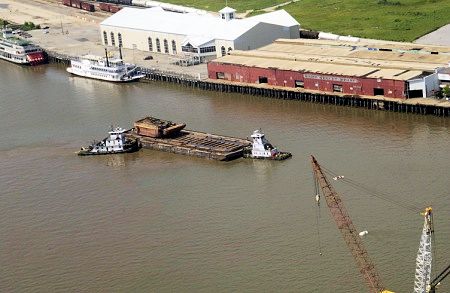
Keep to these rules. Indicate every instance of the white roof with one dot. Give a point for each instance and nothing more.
(278, 17)
(227, 10)
(197, 41)
(192, 24)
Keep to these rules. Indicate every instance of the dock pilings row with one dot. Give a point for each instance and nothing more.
(277, 93)
(286, 94)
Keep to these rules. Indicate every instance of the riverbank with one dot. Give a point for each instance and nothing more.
(74, 32)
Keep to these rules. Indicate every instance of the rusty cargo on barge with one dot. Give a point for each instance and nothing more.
(163, 135)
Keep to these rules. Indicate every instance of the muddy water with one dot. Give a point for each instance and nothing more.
(158, 222)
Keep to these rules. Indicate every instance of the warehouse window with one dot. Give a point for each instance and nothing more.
(150, 44)
(166, 47)
(378, 92)
(158, 45)
(174, 47)
(337, 88)
(208, 49)
(263, 79)
(223, 50)
(299, 84)
(105, 38)
(119, 37)
(113, 42)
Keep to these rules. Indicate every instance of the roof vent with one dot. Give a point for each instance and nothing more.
(227, 13)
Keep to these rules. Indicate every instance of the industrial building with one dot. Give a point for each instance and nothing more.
(193, 34)
(366, 67)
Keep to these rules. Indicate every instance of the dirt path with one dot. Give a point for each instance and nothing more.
(267, 9)
(273, 8)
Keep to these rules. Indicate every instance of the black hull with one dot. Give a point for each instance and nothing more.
(131, 148)
(279, 157)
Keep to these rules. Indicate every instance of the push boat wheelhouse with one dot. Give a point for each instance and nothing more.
(261, 148)
(115, 143)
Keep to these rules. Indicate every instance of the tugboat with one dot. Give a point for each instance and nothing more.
(116, 143)
(262, 149)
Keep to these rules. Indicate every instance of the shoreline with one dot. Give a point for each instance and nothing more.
(76, 33)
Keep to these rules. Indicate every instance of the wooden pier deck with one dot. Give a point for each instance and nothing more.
(421, 106)
(198, 144)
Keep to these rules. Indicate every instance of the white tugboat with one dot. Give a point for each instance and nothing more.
(262, 149)
(19, 50)
(116, 143)
(104, 68)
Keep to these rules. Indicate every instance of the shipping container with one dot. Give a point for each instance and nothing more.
(87, 6)
(114, 9)
(67, 3)
(104, 6)
(76, 3)
(125, 2)
(138, 2)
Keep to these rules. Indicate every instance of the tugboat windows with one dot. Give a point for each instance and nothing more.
(113, 41)
(105, 38)
(263, 79)
(223, 51)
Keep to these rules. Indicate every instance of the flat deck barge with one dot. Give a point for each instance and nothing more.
(194, 143)
(163, 135)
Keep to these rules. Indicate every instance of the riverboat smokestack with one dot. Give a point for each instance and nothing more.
(107, 60)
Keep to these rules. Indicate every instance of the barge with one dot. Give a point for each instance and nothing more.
(163, 135)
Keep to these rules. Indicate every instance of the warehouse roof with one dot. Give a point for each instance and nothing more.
(371, 43)
(322, 68)
(396, 61)
(357, 53)
(192, 24)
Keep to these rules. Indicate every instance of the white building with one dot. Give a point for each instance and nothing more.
(200, 35)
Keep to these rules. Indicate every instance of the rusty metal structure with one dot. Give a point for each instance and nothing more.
(348, 230)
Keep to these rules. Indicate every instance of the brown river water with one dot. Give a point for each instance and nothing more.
(160, 222)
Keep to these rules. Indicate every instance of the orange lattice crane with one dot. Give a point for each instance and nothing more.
(348, 231)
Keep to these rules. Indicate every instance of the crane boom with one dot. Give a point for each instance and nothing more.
(438, 279)
(424, 256)
(348, 231)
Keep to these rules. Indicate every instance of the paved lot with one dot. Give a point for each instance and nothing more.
(75, 32)
(438, 37)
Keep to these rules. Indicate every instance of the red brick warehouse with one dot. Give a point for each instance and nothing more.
(389, 71)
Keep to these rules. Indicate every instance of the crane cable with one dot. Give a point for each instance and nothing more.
(385, 197)
(317, 198)
(372, 192)
(433, 247)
